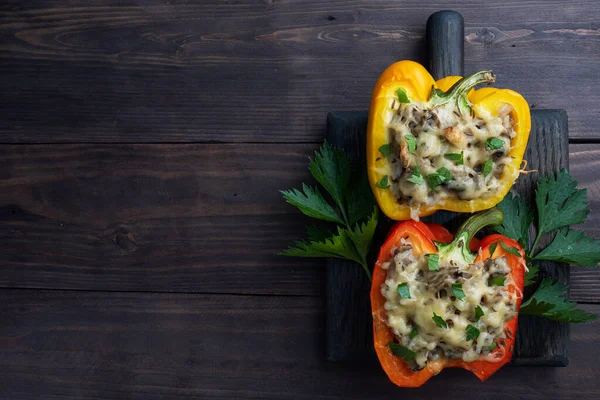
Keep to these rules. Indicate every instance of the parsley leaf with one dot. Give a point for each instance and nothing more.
(494, 144)
(512, 250)
(331, 168)
(493, 247)
(403, 352)
(457, 290)
(359, 197)
(385, 149)
(403, 291)
(383, 183)
(317, 234)
(559, 202)
(442, 175)
(549, 301)
(439, 321)
(355, 203)
(352, 243)
(572, 247)
(497, 281)
(311, 203)
(472, 332)
(478, 313)
(416, 177)
(457, 158)
(487, 167)
(413, 332)
(517, 219)
(338, 246)
(402, 97)
(432, 262)
(531, 274)
(361, 235)
(411, 143)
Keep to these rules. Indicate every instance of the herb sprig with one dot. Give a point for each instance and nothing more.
(559, 204)
(353, 209)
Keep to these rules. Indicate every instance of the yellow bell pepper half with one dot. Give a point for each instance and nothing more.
(419, 86)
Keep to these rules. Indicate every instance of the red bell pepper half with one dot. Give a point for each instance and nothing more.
(421, 237)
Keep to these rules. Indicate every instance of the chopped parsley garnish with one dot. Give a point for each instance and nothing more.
(439, 321)
(487, 167)
(472, 332)
(383, 183)
(442, 175)
(411, 143)
(413, 332)
(432, 262)
(416, 177)
(458, 291)
(457, 158)
(478, 313)
(403, 352)
(494, 143)
(402, 97)
(385, 149)
(497, 281)
(403, 290)
(512, 250)
(493, 247)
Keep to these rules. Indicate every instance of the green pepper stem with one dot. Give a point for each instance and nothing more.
(475, 223)
(462, 87)
(468, 229)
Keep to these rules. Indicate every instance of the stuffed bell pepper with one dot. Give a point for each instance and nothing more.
(438, 305)
(443, 145)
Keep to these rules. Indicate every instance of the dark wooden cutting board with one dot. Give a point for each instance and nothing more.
(540, 342)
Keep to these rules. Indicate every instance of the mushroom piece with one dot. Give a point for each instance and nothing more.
(404, 154)
(454, 135)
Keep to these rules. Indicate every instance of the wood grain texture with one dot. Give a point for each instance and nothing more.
(263, 71)
(153, 218)
(108, 218)
(92, 345)
(584, 159)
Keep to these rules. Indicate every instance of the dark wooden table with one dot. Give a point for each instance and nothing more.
(143, 146)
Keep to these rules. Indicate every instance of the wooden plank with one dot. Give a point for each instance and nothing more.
(71, 214)
(94, 345)
(245, 71)
(348, 315)
(585, 282)
(182, 218)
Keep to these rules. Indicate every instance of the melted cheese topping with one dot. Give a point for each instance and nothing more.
(440, 131)
(431, 292)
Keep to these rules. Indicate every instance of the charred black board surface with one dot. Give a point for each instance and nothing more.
(540, 342)
(349, 335)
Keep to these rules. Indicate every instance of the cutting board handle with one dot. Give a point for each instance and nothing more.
(445, 35)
